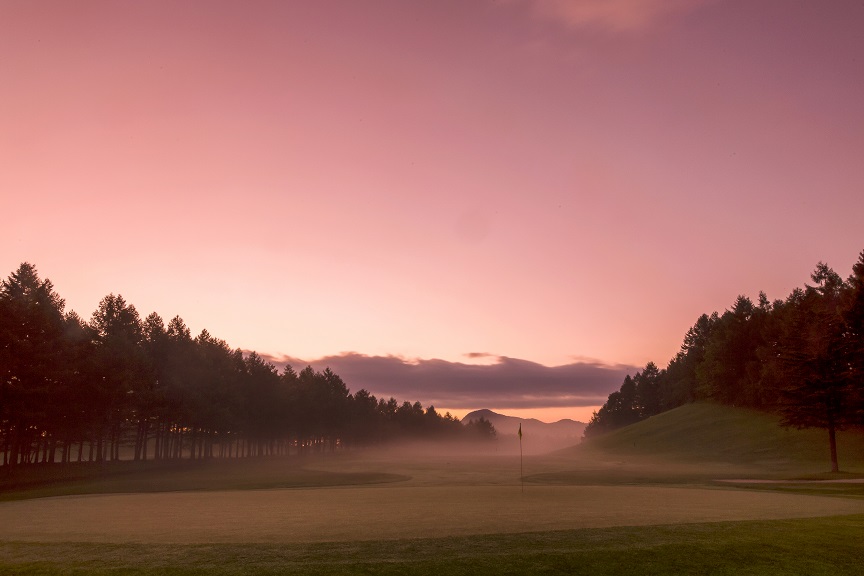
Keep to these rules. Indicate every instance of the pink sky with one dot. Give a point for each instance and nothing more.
(546, 180)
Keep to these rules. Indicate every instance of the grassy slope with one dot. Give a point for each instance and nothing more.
(714, 433)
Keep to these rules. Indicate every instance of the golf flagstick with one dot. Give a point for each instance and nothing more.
(521, 471)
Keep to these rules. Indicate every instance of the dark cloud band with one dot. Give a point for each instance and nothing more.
(508, 383)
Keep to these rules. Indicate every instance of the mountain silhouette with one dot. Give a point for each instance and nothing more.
(537, 436)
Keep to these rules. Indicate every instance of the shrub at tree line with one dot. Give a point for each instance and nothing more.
(72, 390)
(802, 357)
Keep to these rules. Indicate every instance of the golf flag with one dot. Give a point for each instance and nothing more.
(521, 470)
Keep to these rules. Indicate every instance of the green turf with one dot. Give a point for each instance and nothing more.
(125, 477)
(692, 446)
(711, 432)
(782, 547)
(813, 489)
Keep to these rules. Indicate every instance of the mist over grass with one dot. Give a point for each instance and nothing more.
(651, 498)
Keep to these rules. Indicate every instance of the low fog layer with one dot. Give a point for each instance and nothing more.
(537, 437)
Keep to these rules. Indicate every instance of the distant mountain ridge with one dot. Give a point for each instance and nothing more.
(539, 435)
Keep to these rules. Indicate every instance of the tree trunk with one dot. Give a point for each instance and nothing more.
(158, 442)
(832, 441)
(113, 445)
(144, 441)
(178, 444)
(99, 454)
(52, 456)
(163, 443)
(137, 452)
(13, 448)
(192, 443)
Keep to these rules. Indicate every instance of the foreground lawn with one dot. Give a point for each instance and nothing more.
(780, 547)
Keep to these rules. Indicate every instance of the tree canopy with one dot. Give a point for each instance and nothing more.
(120, 386)
(802, 357)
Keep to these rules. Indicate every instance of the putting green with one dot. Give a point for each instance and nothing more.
(386, 512)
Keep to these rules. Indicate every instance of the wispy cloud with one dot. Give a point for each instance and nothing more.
(507, 383)
(615, 15)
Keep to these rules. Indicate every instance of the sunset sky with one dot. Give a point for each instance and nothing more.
(524, 192)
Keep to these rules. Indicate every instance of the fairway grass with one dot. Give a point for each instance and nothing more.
(815, 546)
(387, 512)
(208, 475)
(656, 502)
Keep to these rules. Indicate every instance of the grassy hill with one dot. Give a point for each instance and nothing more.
(715, 433)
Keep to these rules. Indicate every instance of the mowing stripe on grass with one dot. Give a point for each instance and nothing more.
(386, 512)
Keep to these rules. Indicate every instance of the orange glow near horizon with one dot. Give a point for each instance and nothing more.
(578, 413)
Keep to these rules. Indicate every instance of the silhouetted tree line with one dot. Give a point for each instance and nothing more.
(802, 357)
(72, 390)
